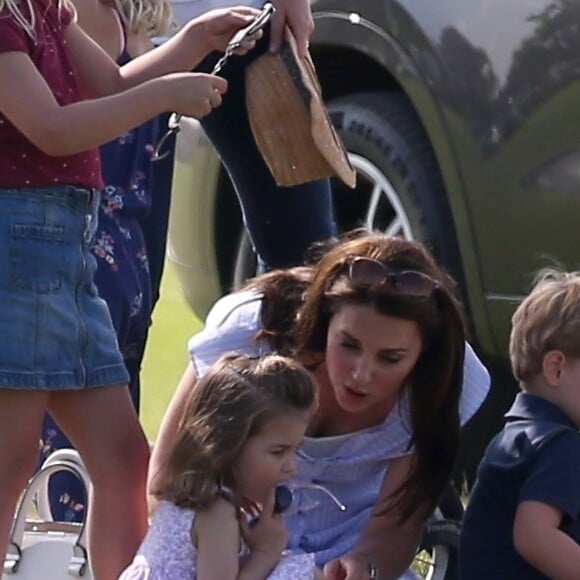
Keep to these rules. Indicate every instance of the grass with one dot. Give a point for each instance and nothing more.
(166, 355)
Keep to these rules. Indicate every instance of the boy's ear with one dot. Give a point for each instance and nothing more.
(552, 365)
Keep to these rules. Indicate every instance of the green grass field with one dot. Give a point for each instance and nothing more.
(166, 354)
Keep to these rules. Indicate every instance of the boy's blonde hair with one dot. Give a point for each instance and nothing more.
(26, 19)
(548, 319)
(153, 17)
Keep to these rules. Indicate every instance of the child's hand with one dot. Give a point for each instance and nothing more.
(268, 535)
(218, 27)
(195, 94)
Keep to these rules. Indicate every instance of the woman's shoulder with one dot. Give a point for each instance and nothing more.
(242, 306)
(230, 326)
(476, 384)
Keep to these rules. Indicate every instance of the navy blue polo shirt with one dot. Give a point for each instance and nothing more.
(536, 457)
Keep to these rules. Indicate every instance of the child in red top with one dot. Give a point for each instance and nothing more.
(66, 97)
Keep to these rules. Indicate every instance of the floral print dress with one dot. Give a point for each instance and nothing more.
(167, 552)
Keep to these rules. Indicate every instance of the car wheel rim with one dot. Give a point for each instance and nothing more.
(385, 211)
(433, 563)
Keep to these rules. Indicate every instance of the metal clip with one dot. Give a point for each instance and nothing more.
(173, 127)
(245, 34)
(237, 40)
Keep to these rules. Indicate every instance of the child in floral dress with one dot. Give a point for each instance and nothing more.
(237, 442)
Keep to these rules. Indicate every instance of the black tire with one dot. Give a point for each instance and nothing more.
(383, 134)
(437, 556)
(387, 143)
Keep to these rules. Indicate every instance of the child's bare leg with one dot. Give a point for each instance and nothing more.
(102, 424)
(21, 415)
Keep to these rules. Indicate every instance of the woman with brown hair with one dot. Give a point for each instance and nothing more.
(378, 324)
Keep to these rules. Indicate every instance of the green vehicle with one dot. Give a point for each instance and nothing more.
(462, 120)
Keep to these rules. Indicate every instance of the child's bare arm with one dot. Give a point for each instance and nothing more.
(122, 98)
(216, 535)
(100, 76)
(169, 430)
(28, 102)
(540, 543)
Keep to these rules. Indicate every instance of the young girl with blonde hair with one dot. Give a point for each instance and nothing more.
(66, 97)
(123, 28)
(237, 441)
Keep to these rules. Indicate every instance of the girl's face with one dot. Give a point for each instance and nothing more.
(369, 357)
(269, 458)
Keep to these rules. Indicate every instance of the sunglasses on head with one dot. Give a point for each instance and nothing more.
(368, 272)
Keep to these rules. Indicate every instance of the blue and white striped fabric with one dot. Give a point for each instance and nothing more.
(351, 467)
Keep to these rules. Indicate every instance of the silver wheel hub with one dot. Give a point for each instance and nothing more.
(385, 211)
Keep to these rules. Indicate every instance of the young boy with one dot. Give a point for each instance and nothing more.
(523, 517)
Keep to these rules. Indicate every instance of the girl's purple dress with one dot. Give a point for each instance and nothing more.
(167, 552)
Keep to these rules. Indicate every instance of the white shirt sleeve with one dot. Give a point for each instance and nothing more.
(230, 326)
(476, 383)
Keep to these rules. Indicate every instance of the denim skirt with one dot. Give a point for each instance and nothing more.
(56, 331)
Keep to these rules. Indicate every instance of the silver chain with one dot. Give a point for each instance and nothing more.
(223, 59)
(173, 125)
(239, 38)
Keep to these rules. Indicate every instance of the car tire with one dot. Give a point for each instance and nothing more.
(399, 188)
(437, 556)
(397, 174)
